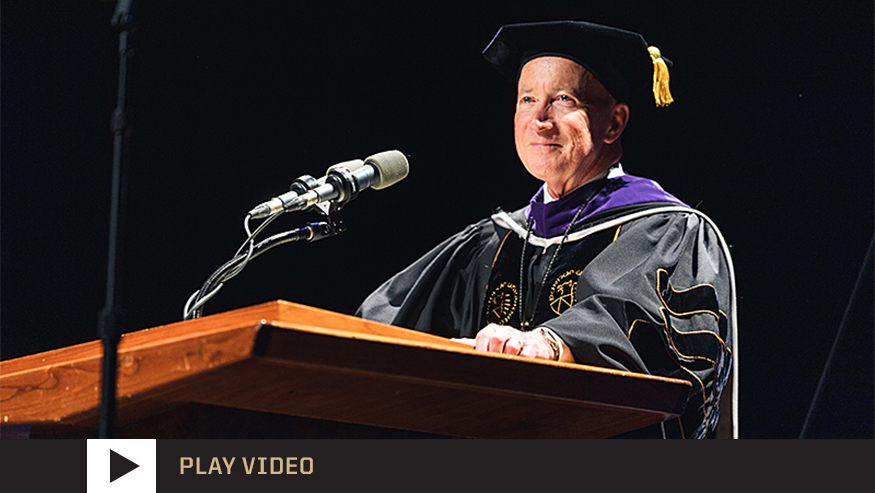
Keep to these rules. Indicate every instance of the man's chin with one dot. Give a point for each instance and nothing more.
(544, 170)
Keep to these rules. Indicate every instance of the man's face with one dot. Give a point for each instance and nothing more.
(558, 126)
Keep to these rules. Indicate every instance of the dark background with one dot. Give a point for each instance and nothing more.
(771, 136)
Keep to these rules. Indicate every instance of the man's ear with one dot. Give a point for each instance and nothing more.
(616, 123)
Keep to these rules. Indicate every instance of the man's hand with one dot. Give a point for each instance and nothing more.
(502, 339)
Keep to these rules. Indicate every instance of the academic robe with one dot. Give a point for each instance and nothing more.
(651, 293)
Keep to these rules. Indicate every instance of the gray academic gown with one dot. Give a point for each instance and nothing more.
(653, 296)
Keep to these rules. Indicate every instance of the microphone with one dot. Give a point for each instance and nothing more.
(341, 184)
(302, 184)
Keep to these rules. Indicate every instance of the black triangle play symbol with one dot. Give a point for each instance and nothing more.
(119, 466)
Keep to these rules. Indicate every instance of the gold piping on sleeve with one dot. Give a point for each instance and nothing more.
(682, 367)
(617, 234)
(668, 332)
(631, 327)
(499, 248)
(670, 286)
(668, 328)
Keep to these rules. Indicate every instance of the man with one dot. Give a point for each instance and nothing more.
(601, 268)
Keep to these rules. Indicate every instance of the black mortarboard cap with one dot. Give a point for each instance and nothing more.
(621, 60)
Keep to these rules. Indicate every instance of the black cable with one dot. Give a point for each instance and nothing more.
(216, 277)
(311, 232)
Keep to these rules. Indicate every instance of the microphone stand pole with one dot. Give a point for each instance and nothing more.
(109, 316)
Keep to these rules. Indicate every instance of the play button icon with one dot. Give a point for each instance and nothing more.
(117, 475)
(119, 465)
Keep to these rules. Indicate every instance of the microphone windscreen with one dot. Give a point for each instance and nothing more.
(392, 166)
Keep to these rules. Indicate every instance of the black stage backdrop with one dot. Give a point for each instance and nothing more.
(771, 136)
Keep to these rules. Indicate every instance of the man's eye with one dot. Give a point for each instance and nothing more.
(564, 97)
(526, 99)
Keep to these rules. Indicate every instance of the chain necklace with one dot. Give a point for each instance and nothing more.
(525, 324)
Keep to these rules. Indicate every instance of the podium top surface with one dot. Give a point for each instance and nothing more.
(289, 359)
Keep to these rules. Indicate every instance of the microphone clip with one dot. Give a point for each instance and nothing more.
(334, 224)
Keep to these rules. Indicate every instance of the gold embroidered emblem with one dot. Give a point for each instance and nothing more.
(501, 303)
(562, 292)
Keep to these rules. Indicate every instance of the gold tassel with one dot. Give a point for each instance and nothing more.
(660, 78)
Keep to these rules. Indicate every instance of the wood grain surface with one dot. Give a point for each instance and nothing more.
(285, 359)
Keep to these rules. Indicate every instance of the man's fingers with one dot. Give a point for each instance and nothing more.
(513, 345)
(507, 340)
(496, 342)
(486, 340)
(533, 349)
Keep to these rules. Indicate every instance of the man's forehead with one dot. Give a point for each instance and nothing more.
(552, 73)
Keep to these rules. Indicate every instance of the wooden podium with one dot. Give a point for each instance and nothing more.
(284, 370)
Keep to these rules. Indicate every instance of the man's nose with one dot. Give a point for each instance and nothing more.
(543, 119)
